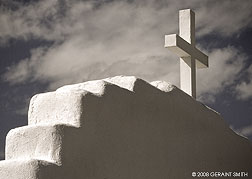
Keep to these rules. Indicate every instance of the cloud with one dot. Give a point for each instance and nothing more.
(224, 18)
(225, 65)
(30, 20)
(95, 39)
(245, 131)
(244, 88)
(24, 70)
(57, 20)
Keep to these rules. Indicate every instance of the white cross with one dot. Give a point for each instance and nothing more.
(184, 46)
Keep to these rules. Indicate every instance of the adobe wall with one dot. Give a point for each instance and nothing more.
(121, 128)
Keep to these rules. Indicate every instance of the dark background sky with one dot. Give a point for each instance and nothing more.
(47, 44)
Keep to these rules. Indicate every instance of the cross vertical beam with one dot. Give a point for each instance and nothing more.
(187, 64)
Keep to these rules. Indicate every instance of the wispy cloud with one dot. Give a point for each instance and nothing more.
(96, 40)
(245, 131)
(244, 89)
(225, 65)
(52, 19)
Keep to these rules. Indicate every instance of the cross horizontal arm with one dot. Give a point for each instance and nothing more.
(183, 49)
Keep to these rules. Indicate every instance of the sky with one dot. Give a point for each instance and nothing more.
(47, 44)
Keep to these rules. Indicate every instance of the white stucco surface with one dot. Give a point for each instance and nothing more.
(121, 128)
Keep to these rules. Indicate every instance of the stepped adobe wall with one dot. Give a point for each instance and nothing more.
(121, 128)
